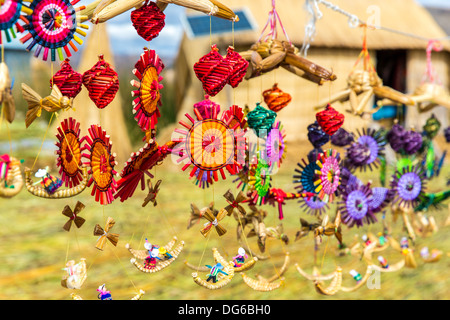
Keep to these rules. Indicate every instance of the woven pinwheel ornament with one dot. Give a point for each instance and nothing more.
(68, 80)
(73, 216)
(101, 161)
(52, 26)
(367, 150)
(10, 13)
(327, 181)
(105, 234)
(210, 145)
(213, 222)
(102, 83)
(69, 152)
(148, 96)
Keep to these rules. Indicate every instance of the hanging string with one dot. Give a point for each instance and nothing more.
(430, 72)
(312, 7)
(272, 22)
(42, 144)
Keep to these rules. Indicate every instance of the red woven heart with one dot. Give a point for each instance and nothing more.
(213, 71)
(148, 20)
(67, 80)
(102, 82)
(238, 67)
(330, 120)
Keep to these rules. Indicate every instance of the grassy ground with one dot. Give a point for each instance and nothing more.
(34, 247)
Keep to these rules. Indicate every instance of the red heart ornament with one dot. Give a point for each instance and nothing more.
(67, 80)
(330, 120)
(213, 71)
(102, 82)
(238, 67)
(148, 20)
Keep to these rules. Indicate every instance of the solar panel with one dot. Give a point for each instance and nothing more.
(203, 25)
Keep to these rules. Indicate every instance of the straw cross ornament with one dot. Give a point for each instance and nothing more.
(234, 203)
(104, 234)
(214, 222)
(73, 216)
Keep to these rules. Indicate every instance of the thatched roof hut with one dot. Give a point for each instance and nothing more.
(401, 60)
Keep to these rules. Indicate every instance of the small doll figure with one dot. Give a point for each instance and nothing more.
(149, 246)
(240, 258)
(214, 272)
(150, 261)
(165, 253)
(49, 183)
(104, 294)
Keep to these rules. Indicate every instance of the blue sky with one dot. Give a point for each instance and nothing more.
(125, 40)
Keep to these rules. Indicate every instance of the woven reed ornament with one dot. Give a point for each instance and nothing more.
(276, 99)
(148, 20)
(104, 234)
(213, 71)
(148, 96)
(102, 82)
(102, 163)
(68, 80)
(69, 152)
(330, 120)
(73, 216)
(238, 66)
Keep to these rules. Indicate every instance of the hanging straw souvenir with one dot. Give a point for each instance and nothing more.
(409, 186)
(329, 229)
(157, 260)
(259, 179)
(68, 80)
(334, 286)
(222, 278)
(261, 285)
(330, 120)
(105, 234)
(105, 10)
(430, 256)
(210, 145)
(234, 202)
(73, 216)
(328, 175)
(11, 180)
(148, 86)
(43, 191)
(213, 71)
(10, 14)
(214, 222)
(148, 20)
(102, 83)
(276, 99)
(355, 206)
(270, 53)
(52, 103)
(69, 152)
(76, 274)
(367, 150)
(239, 263)
(315, 276)
(6, 97)
(152, 192)
(106, 295)
(238, 65)
(261, 120)
(53, 26)
(101, 162)
(197, 214)
(362, 85)
(431, 93)
(275, 145)
(139, 166)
